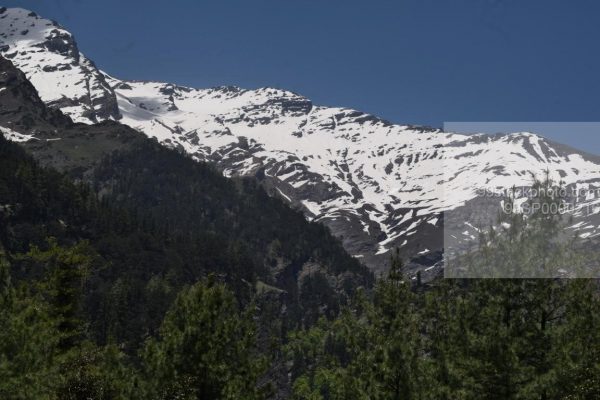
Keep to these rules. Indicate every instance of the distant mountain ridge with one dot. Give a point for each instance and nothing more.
(376, 185)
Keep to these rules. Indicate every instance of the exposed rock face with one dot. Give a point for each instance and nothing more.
(376, 185)
(20, 106)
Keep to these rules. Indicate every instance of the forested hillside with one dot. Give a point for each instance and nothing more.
(129, 271)
(197, 220)
(96, 303)
(135, 223)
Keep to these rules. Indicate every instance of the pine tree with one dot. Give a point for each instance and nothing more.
(372, 350)
(445, 315)
(205, 349)
(576, 346)
(65, 269)
(28, 343)
(78, 368)
(397, 318)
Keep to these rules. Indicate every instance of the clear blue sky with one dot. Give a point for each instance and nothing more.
(409, 61)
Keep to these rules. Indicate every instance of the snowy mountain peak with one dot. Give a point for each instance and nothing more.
(49, 56)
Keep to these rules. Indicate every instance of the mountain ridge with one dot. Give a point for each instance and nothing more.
(375, 184)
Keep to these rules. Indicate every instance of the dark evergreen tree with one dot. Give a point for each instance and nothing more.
(206, 349)
(28, 343)
(373, 350)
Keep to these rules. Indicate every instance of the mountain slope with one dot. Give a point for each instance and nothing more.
(155, 216)
(376, 185)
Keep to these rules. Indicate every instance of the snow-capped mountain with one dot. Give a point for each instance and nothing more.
(64, 77)
(377, 185)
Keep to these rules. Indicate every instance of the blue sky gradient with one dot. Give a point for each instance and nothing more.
(408, 61)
